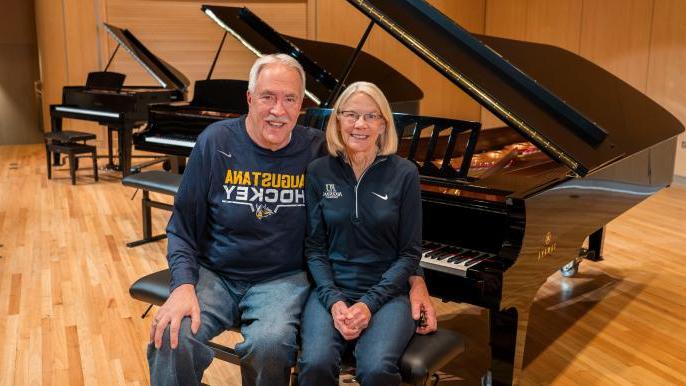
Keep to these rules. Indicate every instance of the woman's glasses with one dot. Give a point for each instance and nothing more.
(351, 117)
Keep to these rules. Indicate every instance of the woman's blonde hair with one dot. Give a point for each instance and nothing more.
(387, 141)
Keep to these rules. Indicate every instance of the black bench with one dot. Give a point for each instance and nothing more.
(66, 142)
(152, 181)
(424, 355)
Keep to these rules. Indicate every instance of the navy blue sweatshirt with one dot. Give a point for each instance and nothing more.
(363, 237)
(240, 209)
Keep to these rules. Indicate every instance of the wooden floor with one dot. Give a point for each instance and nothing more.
(66, 317)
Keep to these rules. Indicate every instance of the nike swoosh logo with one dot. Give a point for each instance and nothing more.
(228, 155)
(384, 197)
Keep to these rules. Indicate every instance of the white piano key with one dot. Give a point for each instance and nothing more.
(170, 141)
(75, 110)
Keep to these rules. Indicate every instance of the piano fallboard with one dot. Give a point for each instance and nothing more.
(128, 104)
(173, 129)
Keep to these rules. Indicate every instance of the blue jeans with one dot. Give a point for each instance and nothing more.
(268, 314)
(377, 350)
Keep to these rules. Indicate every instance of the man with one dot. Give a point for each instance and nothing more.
(236, 239)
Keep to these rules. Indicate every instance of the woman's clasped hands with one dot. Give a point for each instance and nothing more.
(350, 321)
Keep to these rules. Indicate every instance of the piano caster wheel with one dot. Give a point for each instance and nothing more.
(487, 379)
(166, 165)
(570, 269)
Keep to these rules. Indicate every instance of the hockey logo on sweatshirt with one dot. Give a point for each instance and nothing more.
(265, 193)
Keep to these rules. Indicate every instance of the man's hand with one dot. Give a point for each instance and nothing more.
(339, 310)
(420, 301)
(181, 302)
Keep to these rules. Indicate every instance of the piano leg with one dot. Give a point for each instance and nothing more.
(110, 152)
(125, 144)
(595, 245)
(508, 336)
(177, 164)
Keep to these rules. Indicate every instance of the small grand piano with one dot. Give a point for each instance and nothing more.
(105, 100)
(172, 129)
(505, 208)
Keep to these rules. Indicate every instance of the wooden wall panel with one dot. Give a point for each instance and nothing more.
(666, 77)
(339, 22)
(616, 36)
(18, 72)
(81, 44)
(554, 22)
(182, 35)
(549, 22)
(52, 53)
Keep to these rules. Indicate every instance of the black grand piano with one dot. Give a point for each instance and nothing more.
(172, 128)
(505, 208)
(105, 100)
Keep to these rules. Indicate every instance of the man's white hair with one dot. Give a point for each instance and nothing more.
(284, 59)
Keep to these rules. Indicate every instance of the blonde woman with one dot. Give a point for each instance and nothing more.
(362, 246)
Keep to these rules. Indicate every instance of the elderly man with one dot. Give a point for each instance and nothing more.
(236, 239)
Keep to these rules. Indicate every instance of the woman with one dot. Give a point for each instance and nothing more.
(363, 243)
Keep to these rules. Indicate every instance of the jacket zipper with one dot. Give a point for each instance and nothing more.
(357, 214)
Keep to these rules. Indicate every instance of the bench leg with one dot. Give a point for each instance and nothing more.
(147, 215)
(95, 165)
(47, 155)
(146, 311)
(145, 241)
(146, 205)
(72, 168)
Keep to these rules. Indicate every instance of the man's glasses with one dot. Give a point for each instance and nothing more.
(351, 117)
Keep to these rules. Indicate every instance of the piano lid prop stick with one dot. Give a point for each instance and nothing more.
(112, 57)
(334, 94)
(216, 56)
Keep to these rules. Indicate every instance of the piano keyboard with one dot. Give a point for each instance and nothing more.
(183, 141)
(87, 112)
(450, 259)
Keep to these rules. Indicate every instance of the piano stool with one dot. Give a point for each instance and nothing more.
(424, 356)
(66, 142)
(152, 181)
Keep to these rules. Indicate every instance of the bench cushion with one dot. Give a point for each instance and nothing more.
(73, 148)
(153, 288)
(426, 354)
(68, 136)
(155, 181)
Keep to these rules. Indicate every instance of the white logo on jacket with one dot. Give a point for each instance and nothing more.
(331, 192)
(384, 197)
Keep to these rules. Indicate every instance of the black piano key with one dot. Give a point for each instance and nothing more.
(457, 259)
(438, 255)
(429, 253)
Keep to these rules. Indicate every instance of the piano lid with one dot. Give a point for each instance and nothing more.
(323, 62)
(576, 112)
(164, 73)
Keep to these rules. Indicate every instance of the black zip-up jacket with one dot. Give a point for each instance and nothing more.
(363, 237)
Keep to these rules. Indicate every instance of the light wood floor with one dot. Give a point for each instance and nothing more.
(66, 317)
